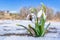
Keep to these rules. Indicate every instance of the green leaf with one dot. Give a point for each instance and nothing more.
(33, 31)
(45, 30)
(25, 28)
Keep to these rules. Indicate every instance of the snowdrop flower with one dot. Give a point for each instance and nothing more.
(33, 17)
(40, 13)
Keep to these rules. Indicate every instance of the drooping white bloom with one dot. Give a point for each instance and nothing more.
(40, 13)
(33, 17)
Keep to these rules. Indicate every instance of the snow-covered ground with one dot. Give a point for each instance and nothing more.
(9, 26)
(27, 38)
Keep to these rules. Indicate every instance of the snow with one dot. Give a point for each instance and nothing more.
(9, 26)
(27, 38)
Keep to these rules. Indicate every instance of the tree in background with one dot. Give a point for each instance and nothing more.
(50, 13)
(23, 12)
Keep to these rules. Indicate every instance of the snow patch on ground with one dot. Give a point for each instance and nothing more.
(9, 26)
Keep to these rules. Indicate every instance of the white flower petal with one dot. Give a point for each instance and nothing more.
(40, 13)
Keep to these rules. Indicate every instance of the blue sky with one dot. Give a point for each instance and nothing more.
(15, 5)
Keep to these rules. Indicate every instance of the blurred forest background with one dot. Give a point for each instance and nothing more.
(24, 11)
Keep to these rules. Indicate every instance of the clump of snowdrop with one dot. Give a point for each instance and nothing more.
(39, 29)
